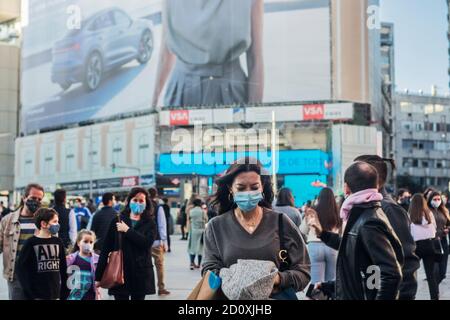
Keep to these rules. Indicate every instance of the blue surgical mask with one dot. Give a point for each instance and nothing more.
(137, 208)
(248, 200)
(54, 229)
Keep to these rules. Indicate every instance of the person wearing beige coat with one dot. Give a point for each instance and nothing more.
(15, 229)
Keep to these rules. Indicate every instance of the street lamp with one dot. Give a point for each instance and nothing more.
(114, 166)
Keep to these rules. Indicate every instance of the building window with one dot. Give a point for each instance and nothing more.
(117, 151)
(407, 163)
(418, 126)
(48, 162)
(407, 143)
(406, 125)
(144, 151)
(428, 126)
(405, 107)
(443, 182)
(93, 158)
(70, 159)
(28, 167)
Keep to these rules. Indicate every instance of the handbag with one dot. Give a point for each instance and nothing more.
(438, 249)
(207, 288)
(288, 293)
(113, 275)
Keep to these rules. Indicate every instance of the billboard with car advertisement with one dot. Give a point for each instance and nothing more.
(84, 60)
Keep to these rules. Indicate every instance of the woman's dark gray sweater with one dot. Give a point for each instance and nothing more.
(226, 241)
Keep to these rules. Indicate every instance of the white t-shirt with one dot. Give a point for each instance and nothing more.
(425, 230)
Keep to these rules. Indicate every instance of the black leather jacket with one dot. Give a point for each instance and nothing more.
(401, 223)
(370, 258)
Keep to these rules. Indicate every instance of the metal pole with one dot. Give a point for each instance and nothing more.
(90, 165)
(274, 149)
(139, 177)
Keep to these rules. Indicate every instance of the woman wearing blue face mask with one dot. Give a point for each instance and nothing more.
(247, 229)
(136, 231)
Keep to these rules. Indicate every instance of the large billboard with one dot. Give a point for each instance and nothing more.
(84, 60)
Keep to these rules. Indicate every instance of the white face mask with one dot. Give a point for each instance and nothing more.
(87, 248)
(436, 203)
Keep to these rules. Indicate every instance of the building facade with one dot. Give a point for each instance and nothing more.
(340, 87)
(422, 139)
(9, 92)
(448, 35)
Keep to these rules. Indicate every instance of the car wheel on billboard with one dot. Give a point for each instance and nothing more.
(145, 47)
(65, 85)
(93, 72)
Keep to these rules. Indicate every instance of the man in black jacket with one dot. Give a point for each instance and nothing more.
(102, 219)
(169, 221)
(67, 220)
(400, 222)
(370, 255)
(403, 198)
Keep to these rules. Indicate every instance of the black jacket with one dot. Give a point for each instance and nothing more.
(63, 217)
(101, 222)
(137, 258)
(368, 245)
(400, 222)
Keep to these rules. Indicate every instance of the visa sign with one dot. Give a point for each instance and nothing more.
(179, 117)
(313, 112)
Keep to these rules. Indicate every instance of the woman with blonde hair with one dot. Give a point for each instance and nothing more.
(81, 266)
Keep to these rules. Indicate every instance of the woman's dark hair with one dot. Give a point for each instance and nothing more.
(327, 210)
(441, 209)
(223, 199)
(191, 200)
(197, 202)
(60, 196)
(149, 209)
(44, 215)
(285, 198)
(418, 209)
(427, 192)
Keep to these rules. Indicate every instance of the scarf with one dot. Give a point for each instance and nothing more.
(363, 196)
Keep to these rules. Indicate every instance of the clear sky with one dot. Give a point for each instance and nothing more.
(421, 44)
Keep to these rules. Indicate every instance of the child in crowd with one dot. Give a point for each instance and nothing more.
(41, 267)
(81, 266)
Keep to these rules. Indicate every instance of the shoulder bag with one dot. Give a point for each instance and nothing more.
(113, 275)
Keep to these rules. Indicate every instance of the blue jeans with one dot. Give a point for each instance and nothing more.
(15, 290)
(323, 262)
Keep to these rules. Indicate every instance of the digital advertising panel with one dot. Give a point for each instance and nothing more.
(86, 60)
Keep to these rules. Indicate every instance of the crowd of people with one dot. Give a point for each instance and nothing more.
(364, 245)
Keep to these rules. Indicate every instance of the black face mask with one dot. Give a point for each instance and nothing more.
(33, 205)
(406, 201)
